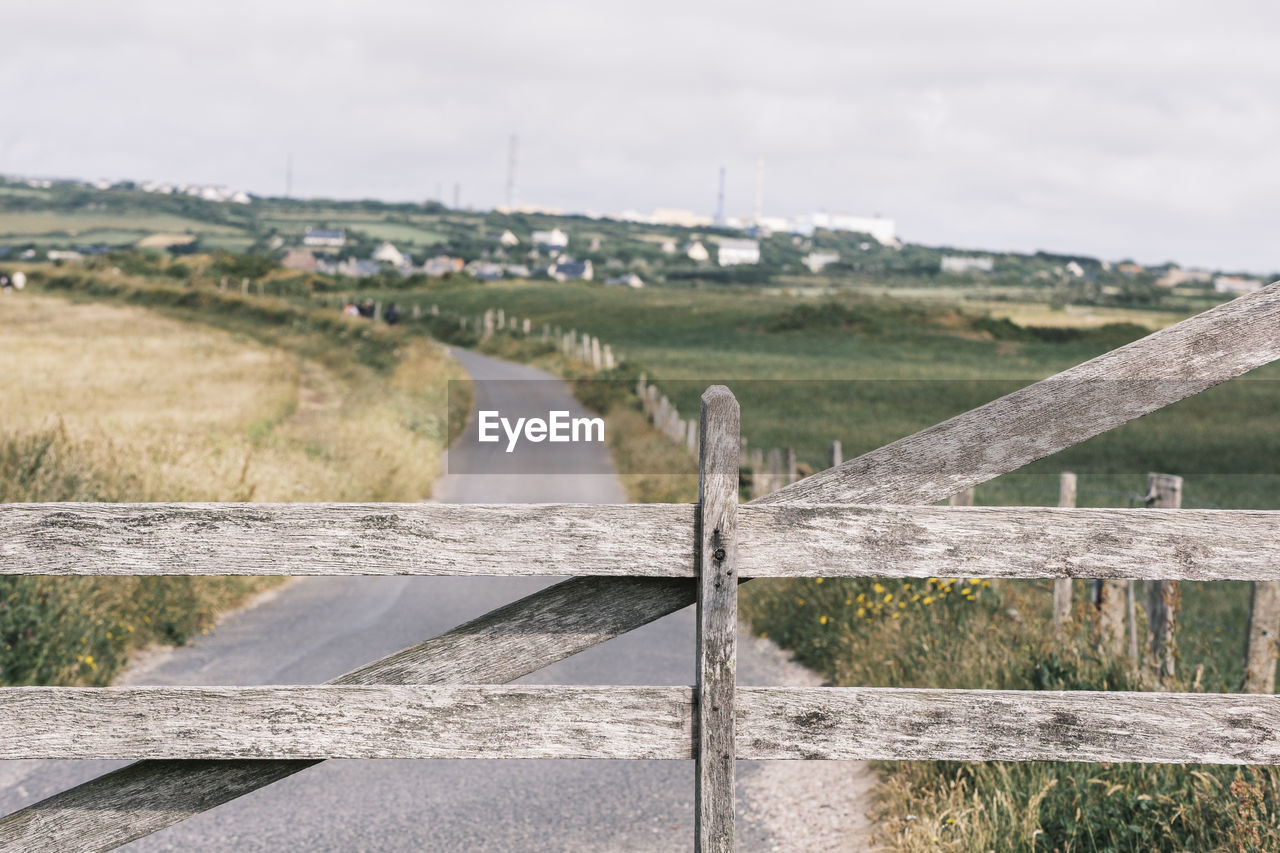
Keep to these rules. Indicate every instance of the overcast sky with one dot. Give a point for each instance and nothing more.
(1120, 129)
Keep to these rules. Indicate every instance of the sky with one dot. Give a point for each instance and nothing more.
(1120, 129)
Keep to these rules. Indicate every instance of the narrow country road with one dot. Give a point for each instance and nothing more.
(317, 628)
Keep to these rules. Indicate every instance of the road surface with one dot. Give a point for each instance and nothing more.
(317, 628)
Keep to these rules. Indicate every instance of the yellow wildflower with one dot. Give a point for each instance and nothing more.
(822, 620)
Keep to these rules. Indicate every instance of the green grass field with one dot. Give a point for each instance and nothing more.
(27, 224)
(803, 387)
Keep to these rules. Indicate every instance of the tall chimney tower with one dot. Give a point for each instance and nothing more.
(511, 172)
(720, 200)
(759, 189)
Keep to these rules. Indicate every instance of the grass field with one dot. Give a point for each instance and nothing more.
(122, 404)
(76, 222)
(893, 370)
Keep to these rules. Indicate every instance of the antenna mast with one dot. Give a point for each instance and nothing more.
(512, 159)
(720, 200)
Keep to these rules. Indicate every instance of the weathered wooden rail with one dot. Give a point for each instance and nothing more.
(204, 746)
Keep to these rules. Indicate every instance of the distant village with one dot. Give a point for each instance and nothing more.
(543, 252)
(720, 248)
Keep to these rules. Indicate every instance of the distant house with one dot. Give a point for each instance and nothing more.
(818, 261)
(350, 267)
(389, 254)
(509, 239)
(442, 265)
(553, 241)
(1228, 284)
(697, 252)
(1175, 276)
(628, 280)
(331, 238)
(62, 255)
(1129, 269)
(961, 264)
(1074, 269)
(734, 252)
(669, 247)
(300, 259)
(518, 271)
(484, 270)
(567, 269)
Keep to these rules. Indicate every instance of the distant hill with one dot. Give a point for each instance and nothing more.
(38, 216)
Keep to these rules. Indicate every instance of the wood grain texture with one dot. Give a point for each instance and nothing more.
(833, 723)
(1062, 586)
(330, 539)
(1057, 412)
(1009, 542)
(346, 722)
(1164, 596)
(717, 619)
(1006, 725)
(775, 540)
(500, 646)
(1264, 633)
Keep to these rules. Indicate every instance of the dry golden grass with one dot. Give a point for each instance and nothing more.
(201, 414)
(113, 403)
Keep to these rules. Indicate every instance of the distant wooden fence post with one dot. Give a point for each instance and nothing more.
(759, 480)
(1264, 628)
(717, 620)
(1164, 491)
(793, 470)
(837, 453)
(1062, 586)
(964, 498)
(1110, 606)
(775, 469)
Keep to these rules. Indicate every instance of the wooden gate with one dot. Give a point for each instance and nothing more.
(200, 747)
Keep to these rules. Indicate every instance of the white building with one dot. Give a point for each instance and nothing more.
(389, 254)
(568, 269)
(960, 264)
(883, 230)
(817, 261)
(628, 280)
(1232, 284)
(553, 239)
(680, 218)
(733, 252)
(1176, 276)
(333, 238)
(1074, 269)
(697, 252)
(509, 239)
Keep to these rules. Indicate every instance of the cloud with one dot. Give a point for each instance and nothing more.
(1139, 130)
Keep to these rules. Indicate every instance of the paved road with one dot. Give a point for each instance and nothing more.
(317, 628)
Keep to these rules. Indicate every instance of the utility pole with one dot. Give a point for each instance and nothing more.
(759, 189)
(512, 158)
(720, 200)
(288, 175)
(457, 196)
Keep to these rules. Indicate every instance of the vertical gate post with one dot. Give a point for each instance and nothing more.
(1163, 597)
(717, 619)
(1062, 586)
